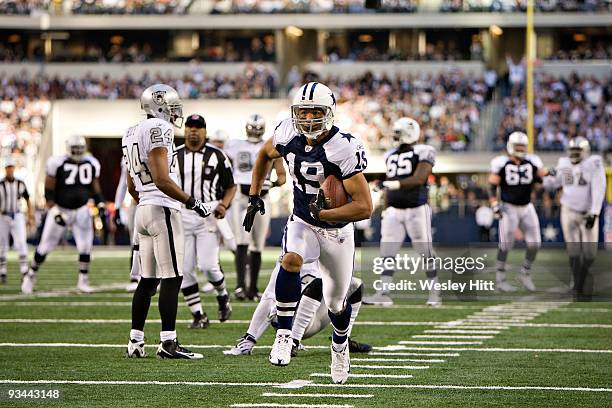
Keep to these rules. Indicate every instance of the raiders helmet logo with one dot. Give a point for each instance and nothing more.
(158, 97)
(307, 148)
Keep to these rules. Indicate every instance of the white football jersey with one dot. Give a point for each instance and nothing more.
(138, 141)
(242, 153)
(584, 184)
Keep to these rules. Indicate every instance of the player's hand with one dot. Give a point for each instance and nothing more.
(203, 209)
(497, 211)
(220, 211)
(256, 204)
(117, 219)
(317, 204)
(102, 211)
(552, 172)
(377, 186)
(590, 220)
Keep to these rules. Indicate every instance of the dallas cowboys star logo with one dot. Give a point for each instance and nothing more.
(347, 136)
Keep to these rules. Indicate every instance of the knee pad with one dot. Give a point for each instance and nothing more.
(314, 290)
(357, 294)
(84, 258)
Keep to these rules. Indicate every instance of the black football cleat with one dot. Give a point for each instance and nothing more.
(3, 278)
(225, 308)
(200, 321)
(171, 349)
(356, 347)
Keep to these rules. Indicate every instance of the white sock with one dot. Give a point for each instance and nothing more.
(500, 276)
(303, 315)
(137, 335)
(23, 264)
(386, 280)
(167, 335)
(260, 321)
(354, 313)
(339, 347)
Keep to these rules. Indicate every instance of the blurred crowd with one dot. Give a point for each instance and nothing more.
(564, 108)
(446, 105)
(25, 7)
(440, 51)
(257, 81)
(584, 52)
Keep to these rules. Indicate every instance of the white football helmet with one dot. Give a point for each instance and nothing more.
(255, 128)
(578, 149)
(515, 140)
(406, 131)
(219, 136)
(76, 147)
(313, 95)
(163, 102)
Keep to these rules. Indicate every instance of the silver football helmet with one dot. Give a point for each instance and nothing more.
(76, 147)
(163, 102)
(255, 128)
(313, 95)
(578, 149)
(406, 131)
(517, 144)
(219, 136)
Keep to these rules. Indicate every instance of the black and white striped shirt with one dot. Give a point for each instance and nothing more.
(204, 174)
(11, 192)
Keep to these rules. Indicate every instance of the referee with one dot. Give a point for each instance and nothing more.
(11, 218)
(206, 174)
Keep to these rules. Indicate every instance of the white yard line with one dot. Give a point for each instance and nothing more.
(385, 367)
(455, 325)
(304, 395)
(273, 405)
(351, 375)
(443, 336)
(500, 349)
(403, 354)
(448, 343)
(451, 331)
(106, 345)
(308, 384)
(399, 360)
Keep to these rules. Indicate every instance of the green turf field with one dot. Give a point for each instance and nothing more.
(540, 353)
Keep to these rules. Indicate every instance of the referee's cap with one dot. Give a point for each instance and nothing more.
(196, 121)
(10, 162)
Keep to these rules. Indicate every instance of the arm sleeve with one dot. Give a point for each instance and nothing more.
(121, 188)
(52, 165)
(24, 191)
(428, 154)
(96, 165)
(598, 186)
(226, 177)
(159, 134)
(497, 164)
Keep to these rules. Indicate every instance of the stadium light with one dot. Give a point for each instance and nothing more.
(496, 30)
(294, 31)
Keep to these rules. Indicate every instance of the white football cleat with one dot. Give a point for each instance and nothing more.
(83, 284)
(526, 281)
(340, 364)
(434, 299)
(244, 347)
(504, 286)
(280, 355)
(28, 280)
(378, 299)
(135, 349)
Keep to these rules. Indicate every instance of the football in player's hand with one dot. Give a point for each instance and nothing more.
(335, 194)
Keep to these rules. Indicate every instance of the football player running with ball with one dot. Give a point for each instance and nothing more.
(515, 174)
(314, 149)
(409, 165)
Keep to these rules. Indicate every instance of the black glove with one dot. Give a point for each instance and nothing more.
(117, 218)
(590, 220)
(102, 212)
(317, 204)
(199, 207)
(256, 204)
